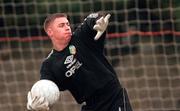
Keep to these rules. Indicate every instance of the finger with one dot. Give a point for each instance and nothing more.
(96, 27)
(29, 107)
(106, 18)
(43, 106)
(41, 100)
(98, 35)
(29, 97)
(46, 104)
(35, 99)
(100, 21)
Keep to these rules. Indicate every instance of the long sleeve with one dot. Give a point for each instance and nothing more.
(86, 33)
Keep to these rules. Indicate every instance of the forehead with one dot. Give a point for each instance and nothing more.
(60, 20)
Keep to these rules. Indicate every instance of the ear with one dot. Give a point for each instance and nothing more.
(49, 32)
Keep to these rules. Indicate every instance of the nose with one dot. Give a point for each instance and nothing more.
(68, 27)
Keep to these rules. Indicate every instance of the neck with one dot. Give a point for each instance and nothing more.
(59, 46)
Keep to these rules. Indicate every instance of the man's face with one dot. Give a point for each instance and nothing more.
(60, 30)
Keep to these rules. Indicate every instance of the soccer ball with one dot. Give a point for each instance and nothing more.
(46, 89)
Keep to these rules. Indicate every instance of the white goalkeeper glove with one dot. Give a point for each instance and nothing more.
(101, 25)
(36, 103)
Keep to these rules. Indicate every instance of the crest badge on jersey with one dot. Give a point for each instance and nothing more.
(72, 49)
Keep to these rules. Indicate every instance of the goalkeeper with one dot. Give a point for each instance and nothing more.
(77, 63)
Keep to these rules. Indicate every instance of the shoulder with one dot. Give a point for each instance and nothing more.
(49, 55)
(47, 60)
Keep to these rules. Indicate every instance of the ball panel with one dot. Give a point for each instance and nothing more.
(47, 89)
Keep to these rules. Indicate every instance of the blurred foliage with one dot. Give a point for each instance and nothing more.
(25, 17)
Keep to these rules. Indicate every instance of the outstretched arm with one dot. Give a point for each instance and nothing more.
(92, 31)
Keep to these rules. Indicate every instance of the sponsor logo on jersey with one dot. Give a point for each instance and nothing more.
(72, 64)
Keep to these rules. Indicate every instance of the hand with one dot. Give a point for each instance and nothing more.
(101, 25)
(37, 103)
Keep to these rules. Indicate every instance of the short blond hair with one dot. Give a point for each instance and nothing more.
(51, 18)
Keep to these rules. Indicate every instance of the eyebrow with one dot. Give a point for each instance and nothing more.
(63, 23)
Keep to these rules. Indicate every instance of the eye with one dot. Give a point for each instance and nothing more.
(61, 25)
(68, 24)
